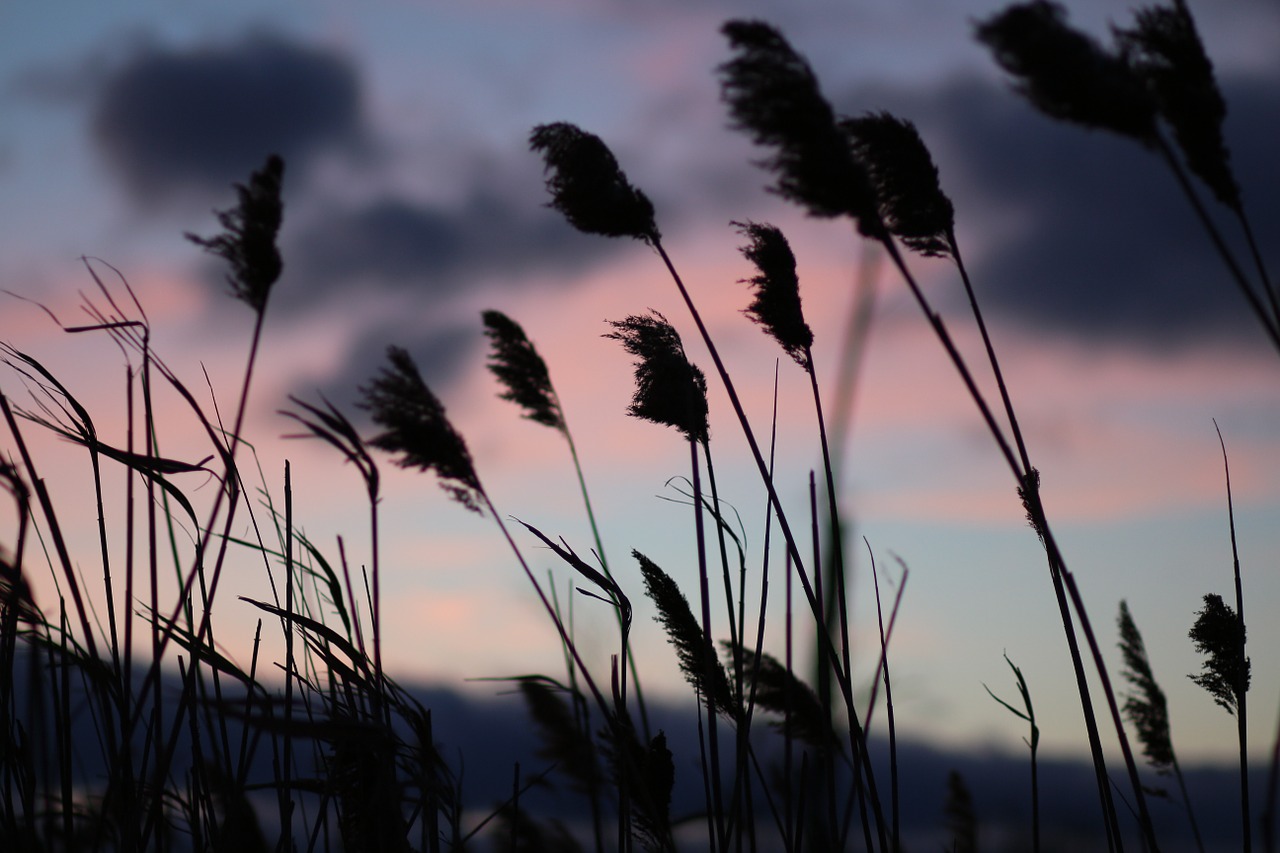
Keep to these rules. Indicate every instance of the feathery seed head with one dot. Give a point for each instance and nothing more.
(698, 661)
(1146, 708)
(773, 95)
(416, 427)
(669, 389)
(1066, 74)
(912, 204)
(1218, 634)
(248, 242)
(1164, 47)
(776, 306)
(587, 185)
(777, 689)
(517, 365)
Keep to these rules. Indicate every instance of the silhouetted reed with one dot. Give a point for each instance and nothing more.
(773, 95)
(587, 186)
(1157, 72)
(248, 242)
(1147, 710)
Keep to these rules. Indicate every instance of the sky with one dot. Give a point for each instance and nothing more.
(413, 203)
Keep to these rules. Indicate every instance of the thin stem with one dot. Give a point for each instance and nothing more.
(1268, 287)
(1028, 486)
(720, 840)
(836, 588)
(1241, 687)
(1186, 801)
(1273, 788)
(1272, 326)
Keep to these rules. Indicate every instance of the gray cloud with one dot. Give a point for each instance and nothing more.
(432, 253)
(168, 120)
(1106, 247)
(434, 250)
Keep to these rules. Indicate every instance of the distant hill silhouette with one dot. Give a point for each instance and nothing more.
(483, 738)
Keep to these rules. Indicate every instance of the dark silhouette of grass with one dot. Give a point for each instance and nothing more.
(355, 761)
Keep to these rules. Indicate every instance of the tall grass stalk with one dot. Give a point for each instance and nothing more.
(1240, 685)
(518, 366)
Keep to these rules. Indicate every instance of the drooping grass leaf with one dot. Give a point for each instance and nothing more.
(608, 585)
(332, 427)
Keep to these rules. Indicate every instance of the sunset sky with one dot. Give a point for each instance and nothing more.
(413, 203)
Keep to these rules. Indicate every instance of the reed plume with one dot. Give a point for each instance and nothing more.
(1218, 634)
(905, 179)
(670, 390)
(1164, 47)
(1146, 708)
(522, 372)
(698, 661)
(588, 187)
(776, 305)
(1148, 712)
(961, 819)
(1066, 74)
(248, 242)
(776, 689)
(774, 96)
(561, 735)
(416, 427)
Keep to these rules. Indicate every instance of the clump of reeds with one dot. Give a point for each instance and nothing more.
(354, 760)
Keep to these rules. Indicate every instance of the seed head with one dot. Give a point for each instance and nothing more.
(698, 661)
(588, 187)
(1066, 74)
(1147, 708)
(669, 389)
(416, 427)
(1218, 634)
(912, 204)
(1164, 47)
(248, 242)
(520, 369)
(773, 95)
(776, 306)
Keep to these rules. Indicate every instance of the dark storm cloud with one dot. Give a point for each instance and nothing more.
(1103, 246)
(202, 118)
(433, 250)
